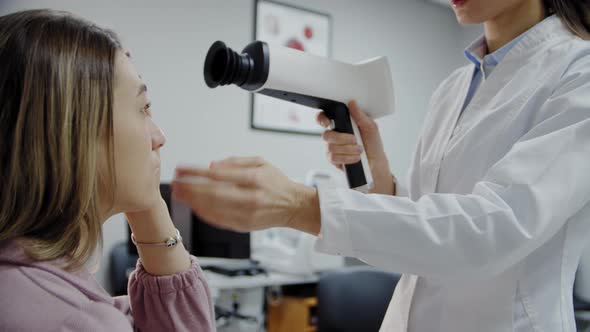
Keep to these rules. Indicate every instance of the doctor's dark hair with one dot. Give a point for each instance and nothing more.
(574, 13)
(56, 128)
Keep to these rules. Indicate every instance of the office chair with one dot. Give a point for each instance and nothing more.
(354, 299)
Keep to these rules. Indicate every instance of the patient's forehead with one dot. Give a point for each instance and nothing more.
(127, 80)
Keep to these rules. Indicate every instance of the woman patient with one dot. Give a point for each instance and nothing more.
(78, 145)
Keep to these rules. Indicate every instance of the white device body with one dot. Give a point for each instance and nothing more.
(368, 83)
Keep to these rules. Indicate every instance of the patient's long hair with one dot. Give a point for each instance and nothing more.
(56, 119)
(574, 13)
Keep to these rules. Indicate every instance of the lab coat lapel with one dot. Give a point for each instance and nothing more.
(398, 312)
(438, 138)
(479, 106)
(434, 157)
(431, 161)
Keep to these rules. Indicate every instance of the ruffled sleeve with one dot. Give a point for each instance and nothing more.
(179, 302)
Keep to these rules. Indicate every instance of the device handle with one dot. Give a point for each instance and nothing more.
(358, 174)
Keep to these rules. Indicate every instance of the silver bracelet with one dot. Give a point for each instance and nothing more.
(172, 241)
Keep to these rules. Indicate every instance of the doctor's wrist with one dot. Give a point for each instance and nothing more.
(306, 217)
(385, 184)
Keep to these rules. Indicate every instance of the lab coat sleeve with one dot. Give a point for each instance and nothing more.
(402, 184)
(401, 190)
(523, 200)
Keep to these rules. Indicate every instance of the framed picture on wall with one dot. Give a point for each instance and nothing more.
(302, 29)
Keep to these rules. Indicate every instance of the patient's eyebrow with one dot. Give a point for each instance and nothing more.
(142, 89)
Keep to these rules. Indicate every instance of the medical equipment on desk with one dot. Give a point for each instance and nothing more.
(289, 251)
(312, 81)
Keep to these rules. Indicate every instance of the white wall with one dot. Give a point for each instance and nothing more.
(169, 39)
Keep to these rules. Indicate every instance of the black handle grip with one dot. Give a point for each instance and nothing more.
(338, 112)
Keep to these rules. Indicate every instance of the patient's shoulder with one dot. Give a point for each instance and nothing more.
(34, 299)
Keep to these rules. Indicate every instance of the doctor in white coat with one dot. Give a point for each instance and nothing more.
(497, 209)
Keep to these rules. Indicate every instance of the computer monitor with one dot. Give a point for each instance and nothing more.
(200, 238)
(210, 241)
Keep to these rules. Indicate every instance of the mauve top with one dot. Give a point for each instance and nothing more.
(40, 296)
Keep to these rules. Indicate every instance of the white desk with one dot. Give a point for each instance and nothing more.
(250, 291)
(220, 281)
(250, 288)
(223, 282)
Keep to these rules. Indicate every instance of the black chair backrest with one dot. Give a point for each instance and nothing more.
(354, 299)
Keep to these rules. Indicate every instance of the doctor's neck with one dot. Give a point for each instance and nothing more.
(511, 23)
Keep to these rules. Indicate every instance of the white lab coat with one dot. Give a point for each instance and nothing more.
(498, 210)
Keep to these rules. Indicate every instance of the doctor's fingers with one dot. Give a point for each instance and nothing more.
(339, 159)
(334, 137)
(323, 120)
(238, 162)
(345, 149)
(216, 201)
(238, 176)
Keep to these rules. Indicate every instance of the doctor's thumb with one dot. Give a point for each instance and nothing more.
(367, 126)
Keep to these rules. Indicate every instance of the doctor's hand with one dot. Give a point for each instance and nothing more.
(343, 148)
(246, 194)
